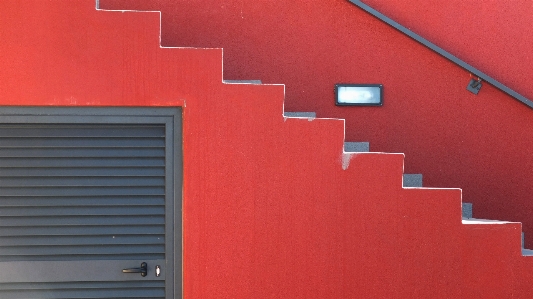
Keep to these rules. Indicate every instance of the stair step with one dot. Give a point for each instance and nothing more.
(412, 180)
(467, 210)
(300, 114)
(468, 219)
(243, 81)
(356, 147)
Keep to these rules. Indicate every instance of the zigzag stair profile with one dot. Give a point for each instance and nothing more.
(276, 204)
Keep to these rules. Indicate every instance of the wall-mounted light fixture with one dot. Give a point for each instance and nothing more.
(358, 94)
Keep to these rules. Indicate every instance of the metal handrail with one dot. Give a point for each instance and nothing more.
(444, 53)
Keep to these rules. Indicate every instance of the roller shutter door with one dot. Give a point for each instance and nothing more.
(85, 194)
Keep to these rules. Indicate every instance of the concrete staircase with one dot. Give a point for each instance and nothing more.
(412, 180)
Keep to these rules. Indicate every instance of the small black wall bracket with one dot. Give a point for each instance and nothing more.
(474, 86)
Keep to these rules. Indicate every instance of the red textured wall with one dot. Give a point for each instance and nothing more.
(482, 144)
(272, 207)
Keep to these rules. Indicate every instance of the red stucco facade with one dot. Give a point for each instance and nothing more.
(272, 206)
(482, 144)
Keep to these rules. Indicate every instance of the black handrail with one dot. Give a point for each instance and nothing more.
(443, 53)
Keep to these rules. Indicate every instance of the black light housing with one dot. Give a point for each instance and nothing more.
(358, 94)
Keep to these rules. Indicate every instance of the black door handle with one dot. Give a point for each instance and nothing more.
(143, 269)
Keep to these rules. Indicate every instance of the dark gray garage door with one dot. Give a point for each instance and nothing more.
(86, 193)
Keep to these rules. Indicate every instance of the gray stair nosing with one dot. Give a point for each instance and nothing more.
(466, 210)
(412, 180)
(300, 114)
(243, 81)
(356, 147)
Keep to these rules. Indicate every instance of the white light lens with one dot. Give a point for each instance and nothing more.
(358, 95)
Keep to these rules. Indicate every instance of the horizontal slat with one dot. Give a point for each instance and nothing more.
(73, 294)
(88, 191)
(82, 230)
(42, 142)
(83, 152)
(81, 171)
(81, 257)
(81, 162)
(81, 240)
(85, 211)
(139, 284)
(87, 294)
(84, 249)
(74, 201)
(81, 181)
(73, 130)
(55, 220)
(82, 289)
(84, 297)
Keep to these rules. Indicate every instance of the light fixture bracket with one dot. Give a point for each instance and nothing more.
(474, 86)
